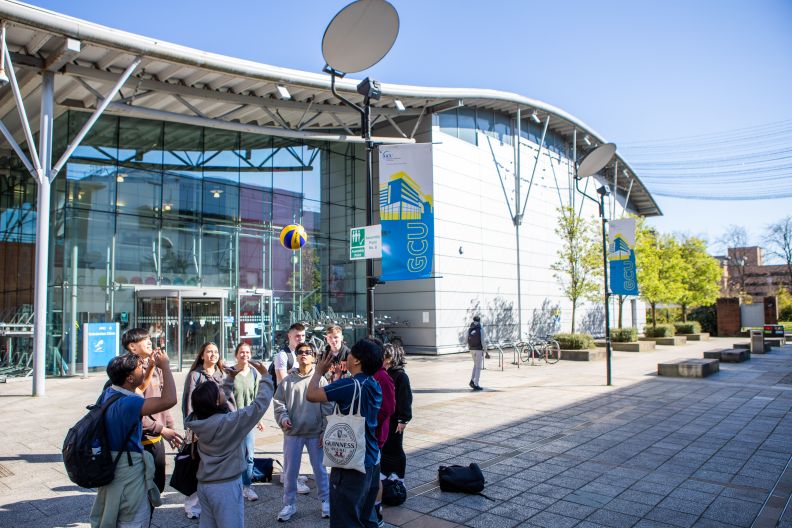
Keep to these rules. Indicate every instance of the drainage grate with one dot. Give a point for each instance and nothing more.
(5, 472)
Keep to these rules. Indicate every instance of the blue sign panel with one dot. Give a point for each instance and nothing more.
(406, 211)
(101, 343)
(621, 257)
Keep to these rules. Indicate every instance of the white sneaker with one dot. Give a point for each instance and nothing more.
(249, 494)
(325, 509)
(302, 478)
(287, 512)
(302, 488)
(192, 515)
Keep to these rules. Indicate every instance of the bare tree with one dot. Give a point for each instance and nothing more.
(734, 238)
(778, 239)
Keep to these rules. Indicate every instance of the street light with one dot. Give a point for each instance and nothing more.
(591, 165)
(357, 38)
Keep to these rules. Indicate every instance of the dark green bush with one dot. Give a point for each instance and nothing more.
(574, 341)
(693, 327)
(666, 330)
(785, 314)
(624, 335)
(708, 318)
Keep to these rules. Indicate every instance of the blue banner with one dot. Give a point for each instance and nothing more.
(101, 343)
(621, 257)
(406, 211)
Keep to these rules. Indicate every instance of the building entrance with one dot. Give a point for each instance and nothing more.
(181, 320)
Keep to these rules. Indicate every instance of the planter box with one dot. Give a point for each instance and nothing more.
(594, 354)
(703, 336)
(728, 356)
(635, 346)
(688, 368)
(738, 346)
(666, 341)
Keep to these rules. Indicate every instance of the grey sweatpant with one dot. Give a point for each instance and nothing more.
(221, 504)
(292, 453)
(478, 361)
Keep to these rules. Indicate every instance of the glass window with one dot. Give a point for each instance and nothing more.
(137, 257)
(140, 193)
(220, 200)
(181, 195)
(179, 247)
(485, 120)
(92, 233)
(90, 185)
(467, 125)
(252, 260)
(448, 122)
(217, 256)
(503, 128)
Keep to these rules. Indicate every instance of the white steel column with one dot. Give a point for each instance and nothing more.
(40, 310)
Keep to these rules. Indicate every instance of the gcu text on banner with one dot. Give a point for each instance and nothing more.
(406, 211)
(621, 256)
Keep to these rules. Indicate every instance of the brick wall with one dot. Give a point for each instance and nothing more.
(728, 312)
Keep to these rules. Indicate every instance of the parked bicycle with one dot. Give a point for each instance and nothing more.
(535, 347)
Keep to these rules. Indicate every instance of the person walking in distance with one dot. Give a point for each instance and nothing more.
(476, 341)
(303, 423)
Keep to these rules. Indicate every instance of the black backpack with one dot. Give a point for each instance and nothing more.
(474, 336)
(86, 449)
(271, 369)
(393, 492)
(461, 479)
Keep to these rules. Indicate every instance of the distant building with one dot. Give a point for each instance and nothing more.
(744, 270)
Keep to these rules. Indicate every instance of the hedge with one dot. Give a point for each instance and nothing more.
(666, 330)
(624, 335)
(692, 327)
(575, 341)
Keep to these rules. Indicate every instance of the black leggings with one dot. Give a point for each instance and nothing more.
(394, 460)
(157, 450)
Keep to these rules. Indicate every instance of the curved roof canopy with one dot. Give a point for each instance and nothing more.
(181, 84)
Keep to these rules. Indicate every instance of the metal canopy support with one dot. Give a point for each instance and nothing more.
(22, 114)
(518, 218)
(627, 198)
(521, 211)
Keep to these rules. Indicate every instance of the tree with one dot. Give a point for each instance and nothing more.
(701, 275)
(732, 241)
(660, 268)
(778, 239)
(578, 268)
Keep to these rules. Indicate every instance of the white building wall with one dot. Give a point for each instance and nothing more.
(475, 250)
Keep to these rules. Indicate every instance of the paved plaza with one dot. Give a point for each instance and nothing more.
(558, 448)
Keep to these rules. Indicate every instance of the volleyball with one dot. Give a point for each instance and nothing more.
(293, 236)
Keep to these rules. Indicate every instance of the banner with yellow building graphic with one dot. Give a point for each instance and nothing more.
(621, 257)
(406, 211)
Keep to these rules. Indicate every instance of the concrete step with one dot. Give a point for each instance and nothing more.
(688, 368)
(703, 336)
(595, 354)
(728, 355)
(666, 341)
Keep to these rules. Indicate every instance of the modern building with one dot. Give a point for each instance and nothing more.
(172, 172)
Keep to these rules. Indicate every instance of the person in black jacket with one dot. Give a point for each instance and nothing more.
(394, 460)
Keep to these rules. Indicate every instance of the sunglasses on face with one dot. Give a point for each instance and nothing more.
(304, 352)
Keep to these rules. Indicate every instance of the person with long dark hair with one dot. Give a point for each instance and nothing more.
(221, 434)
(208, 366)
(394, 459)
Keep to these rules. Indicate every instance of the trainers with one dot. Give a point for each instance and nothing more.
(380, 520)
(325, 509)
(302, 478)
(477, 388)
(192, 515)
(249, 494)
(472, 385)
(302, 488)
(287, 512)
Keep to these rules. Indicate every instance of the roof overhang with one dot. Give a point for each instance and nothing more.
(181, 84)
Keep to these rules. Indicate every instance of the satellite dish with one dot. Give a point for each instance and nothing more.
(360, 35)
(595, 161)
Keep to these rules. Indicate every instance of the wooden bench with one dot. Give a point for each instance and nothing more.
(688, 368)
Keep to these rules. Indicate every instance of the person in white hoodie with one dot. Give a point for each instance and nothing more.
(303, 423)
(221, 444)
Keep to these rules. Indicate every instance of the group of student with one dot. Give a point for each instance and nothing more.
(224, 405)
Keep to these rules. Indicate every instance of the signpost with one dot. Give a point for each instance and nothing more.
(365, 242)
(100, 344)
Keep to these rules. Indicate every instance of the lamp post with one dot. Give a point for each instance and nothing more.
(590, 165)
(357, 38)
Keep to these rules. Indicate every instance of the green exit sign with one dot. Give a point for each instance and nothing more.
(365, 242)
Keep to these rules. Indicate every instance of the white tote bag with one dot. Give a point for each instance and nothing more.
(344, 440)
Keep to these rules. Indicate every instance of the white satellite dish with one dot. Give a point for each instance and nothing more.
(594, 162)
(360, 35)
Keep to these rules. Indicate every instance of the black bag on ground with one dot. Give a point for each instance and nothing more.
(393, 492)
(461, 479)
(86, 449)
(262, 469)
(185, 469)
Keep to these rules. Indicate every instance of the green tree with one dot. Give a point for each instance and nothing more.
(779, 244)
(578, 268)
(701, 275)
(660, 268)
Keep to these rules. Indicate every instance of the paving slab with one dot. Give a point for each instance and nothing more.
(558, 447)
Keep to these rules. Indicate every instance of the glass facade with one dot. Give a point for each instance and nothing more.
(176, 228)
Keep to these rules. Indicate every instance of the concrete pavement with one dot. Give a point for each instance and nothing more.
(558, 448)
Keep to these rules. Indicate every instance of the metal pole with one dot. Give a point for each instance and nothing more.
(517, 221)
(40, 310)
(607, 293)
(370, 281)
(73, 318)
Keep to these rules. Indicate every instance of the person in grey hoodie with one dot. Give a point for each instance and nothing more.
(303, 423)
(221, 443)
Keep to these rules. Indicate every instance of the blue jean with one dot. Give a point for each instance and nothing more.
(250, 447)
(292, 453)
(352, 497)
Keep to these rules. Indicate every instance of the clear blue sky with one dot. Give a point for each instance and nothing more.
(632, 70)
